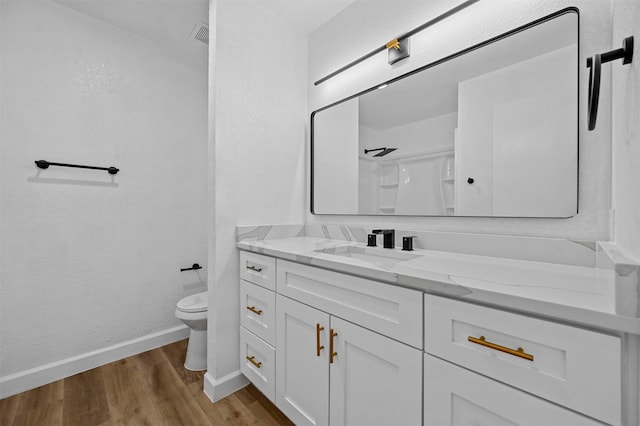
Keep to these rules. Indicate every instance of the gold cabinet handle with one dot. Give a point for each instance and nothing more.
(252, 360)
(319, 347)
(332, 354)
(254, 268)
(515, 352)
(254, 310)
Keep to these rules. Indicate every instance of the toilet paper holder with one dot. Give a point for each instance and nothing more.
(193, 268)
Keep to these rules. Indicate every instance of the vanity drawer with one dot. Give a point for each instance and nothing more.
(258, 363)
(455, 396)
(258, 311)
(258, 269)
(570, 366)
(393, 311)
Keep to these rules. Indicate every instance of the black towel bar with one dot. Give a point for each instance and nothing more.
(44, 164)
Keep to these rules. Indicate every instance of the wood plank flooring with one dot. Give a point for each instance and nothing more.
(152, 388)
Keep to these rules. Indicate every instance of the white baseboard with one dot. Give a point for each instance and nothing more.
(224, 386)
(44, 374)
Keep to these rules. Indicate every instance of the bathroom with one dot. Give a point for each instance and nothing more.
(210, 137)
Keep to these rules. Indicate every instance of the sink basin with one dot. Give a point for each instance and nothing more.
(377, 256)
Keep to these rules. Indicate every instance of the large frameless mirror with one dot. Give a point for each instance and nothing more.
(489, 131)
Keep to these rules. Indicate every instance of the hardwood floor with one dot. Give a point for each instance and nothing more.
(152, 388)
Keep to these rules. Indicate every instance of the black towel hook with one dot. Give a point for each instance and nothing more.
(595, 69)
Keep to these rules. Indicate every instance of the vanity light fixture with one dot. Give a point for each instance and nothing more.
(398, 48)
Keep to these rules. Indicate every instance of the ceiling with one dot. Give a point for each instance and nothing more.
(306, 15)
(171, 22)
(167, 22)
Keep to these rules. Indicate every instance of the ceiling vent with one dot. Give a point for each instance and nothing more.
(201, 32)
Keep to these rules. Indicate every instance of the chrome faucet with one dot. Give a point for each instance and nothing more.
(389, 237)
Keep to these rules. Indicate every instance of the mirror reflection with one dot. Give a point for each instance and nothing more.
(492, 131)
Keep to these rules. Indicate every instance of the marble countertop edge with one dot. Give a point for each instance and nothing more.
(495, 294)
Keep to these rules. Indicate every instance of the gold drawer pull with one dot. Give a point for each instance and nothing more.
(254, 310)
(332, 354)
(254, 268)
(252, 360)
(319, 347)
(516, 352)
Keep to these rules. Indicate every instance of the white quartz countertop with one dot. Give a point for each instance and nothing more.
(574, 294)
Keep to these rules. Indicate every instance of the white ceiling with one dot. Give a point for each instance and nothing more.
(167, 22)
(170, 22)
(306, 15)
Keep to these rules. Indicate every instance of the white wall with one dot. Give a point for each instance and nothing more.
(626, 128)
(256, 148)
(88, 261)
(333, 45)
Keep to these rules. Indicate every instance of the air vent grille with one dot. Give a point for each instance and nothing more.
(201, 32)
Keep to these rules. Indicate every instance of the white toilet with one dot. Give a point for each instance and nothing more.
(192, 310)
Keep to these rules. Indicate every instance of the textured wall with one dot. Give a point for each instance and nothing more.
(87, 261)
(626, 129)
(364, 25)
(256, 148)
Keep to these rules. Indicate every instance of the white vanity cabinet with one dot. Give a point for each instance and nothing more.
(348, 324)
(374, 380)
(258, 269)
(551, 364)
(257, 321)
(455, 396)
(325, 363)
(347, 350)
(335, 349)
(302, 382)
(390, 310)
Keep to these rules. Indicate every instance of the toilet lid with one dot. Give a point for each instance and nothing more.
(194, 303)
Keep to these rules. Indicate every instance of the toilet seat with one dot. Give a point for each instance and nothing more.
(195, 303)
